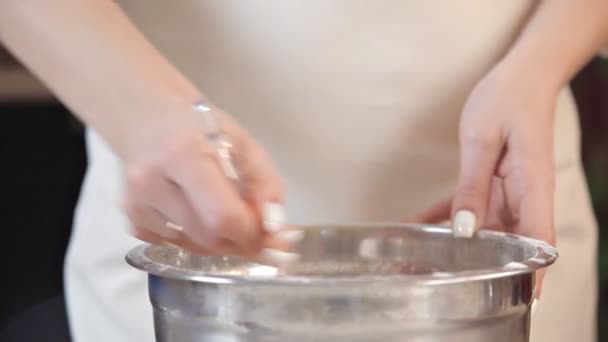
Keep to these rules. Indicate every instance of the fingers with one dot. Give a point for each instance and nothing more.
(262, 179)
(174, 239)
(158, 233)
(155, 239)
(155, 230)
(213, 197)
(535, 167)
(145, 235)
(265, 189)
(157, 205)
(499, 216)
(436, 213)
(536, 213)
(480, 152)
(185, 184)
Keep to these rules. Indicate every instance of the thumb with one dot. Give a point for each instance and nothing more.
(264, 188)
(436, 213)
(479, 155)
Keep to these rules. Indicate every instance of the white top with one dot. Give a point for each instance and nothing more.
(357, 101)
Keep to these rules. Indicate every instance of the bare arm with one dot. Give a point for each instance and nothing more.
(94, 59)
(559, 39)
(506, 129)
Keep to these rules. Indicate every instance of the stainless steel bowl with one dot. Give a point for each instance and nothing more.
(388, 282)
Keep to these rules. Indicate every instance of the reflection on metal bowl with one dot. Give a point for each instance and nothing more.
(385, 282)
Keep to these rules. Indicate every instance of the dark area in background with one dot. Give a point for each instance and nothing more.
(590, 88)
(43, 159)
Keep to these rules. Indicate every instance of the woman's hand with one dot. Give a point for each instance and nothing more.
(507, 167)
(119, 84)
(506, 130)
(177, 193)
(507, 164)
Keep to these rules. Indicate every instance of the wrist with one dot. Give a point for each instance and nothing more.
(529, 76)
(156, 122)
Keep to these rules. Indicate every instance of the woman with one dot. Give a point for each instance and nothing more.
(358, 102)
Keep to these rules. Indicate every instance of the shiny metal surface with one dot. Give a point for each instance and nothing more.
(218, 139)
(388, 282)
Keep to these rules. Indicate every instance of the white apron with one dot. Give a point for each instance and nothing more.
(358, 103)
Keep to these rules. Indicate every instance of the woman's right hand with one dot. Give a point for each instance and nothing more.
(176, 192)
(137, 101)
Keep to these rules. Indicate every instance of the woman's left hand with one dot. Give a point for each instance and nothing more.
(507, 170)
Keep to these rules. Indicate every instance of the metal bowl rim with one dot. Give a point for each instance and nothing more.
(545, 256)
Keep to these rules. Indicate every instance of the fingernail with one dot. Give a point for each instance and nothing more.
(534, 306)
(369, 248)
(170, 232)
(274, 217)
(291, 236)
(464, 224)
(276, 256)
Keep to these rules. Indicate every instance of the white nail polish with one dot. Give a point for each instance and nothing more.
(368, 248)
(279, 257)
(291, 236)
(464, 224)
(534, 306)
(274, 217)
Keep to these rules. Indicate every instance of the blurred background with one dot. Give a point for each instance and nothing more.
(44, 160)
(590, 88)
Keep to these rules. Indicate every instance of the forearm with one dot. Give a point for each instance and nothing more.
(96, 62)
(558, 40)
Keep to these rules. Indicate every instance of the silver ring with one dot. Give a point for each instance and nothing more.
(173, 226)
(220, 141)
(183, 256)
